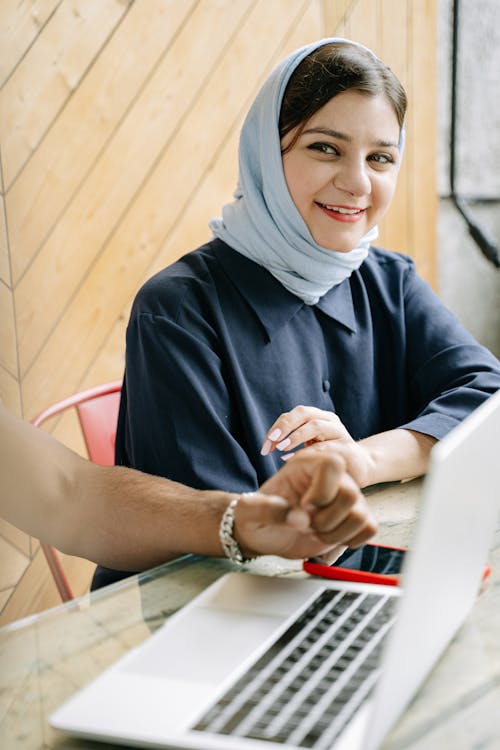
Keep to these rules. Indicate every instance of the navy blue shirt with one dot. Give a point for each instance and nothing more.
(217, 349)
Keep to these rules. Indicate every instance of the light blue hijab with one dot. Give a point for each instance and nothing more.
(262, 223)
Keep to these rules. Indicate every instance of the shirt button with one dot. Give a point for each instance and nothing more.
(326, 385)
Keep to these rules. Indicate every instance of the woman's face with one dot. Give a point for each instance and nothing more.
(341, 172)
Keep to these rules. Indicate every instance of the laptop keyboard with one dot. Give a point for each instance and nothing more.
(304, 689)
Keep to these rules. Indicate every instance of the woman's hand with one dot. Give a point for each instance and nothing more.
(324, 430)
(310, 507)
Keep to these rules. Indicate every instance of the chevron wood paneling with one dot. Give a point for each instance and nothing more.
(119, 124)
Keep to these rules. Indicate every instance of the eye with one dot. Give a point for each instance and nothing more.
(323, 148)
(381, 159)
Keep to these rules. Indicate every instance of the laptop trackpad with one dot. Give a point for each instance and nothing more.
(205, 647)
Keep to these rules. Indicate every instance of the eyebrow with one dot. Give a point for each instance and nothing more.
(344, 137)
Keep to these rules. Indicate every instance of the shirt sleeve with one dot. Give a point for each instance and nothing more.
(450, 373)
(176, 418)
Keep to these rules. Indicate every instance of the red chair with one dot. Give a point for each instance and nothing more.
(97, 410)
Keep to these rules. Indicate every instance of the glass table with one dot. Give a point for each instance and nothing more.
(45, 658)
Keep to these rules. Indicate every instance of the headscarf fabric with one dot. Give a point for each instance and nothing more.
(262, 222)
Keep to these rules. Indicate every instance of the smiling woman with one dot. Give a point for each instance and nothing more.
(289, 327)
(341, 169)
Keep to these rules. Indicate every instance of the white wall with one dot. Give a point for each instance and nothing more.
(468, 283)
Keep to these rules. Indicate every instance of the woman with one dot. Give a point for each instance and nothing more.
(290, 311)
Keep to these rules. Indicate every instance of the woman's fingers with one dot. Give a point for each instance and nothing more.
(302, 424)
(316, 430)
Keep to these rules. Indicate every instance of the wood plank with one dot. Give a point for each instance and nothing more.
(218, 182)
(215, 188)
(423, 127)
(8, 348)
(34, 592)
(16, 537)
(13, 563)
(334, 13)
(109, 361)
(5, 596)
(68, 150)
(362, 23)
(395, 231)
(52, 279)
(393, 47)
(4, 247)
(37, 591)
(10, 391)
(20, 24)
(49, 73)
(79, 572)
(131, 248)
(191, 228)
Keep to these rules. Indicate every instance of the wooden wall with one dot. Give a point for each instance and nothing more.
(119, 122)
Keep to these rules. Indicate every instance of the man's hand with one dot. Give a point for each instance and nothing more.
(308, 508)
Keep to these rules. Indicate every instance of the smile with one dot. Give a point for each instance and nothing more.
(342, 213)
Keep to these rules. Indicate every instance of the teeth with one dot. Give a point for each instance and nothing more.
(343, 210)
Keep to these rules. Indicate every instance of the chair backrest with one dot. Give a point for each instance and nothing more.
(98, 417)
(97, 410)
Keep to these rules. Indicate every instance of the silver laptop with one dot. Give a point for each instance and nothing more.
(261, 662)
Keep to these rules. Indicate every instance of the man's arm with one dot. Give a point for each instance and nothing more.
(128, 520)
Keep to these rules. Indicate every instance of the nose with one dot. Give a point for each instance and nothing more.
(352, 177)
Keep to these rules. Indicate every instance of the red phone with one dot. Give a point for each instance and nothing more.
(370, 563)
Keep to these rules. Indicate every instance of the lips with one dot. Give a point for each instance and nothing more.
(342, 213)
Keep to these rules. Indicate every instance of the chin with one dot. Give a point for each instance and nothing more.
(338, 244)
(335, 249)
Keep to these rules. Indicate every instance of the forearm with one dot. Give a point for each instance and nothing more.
(128, 520)
(125, 519)
(133, 521)
(383, 457)
(396, 454)
(112, 515)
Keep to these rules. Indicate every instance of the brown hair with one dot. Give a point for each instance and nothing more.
(329, 70)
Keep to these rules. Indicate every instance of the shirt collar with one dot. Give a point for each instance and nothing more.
(338, 305)
(274, 305)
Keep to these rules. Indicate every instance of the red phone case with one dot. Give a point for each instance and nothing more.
(360, 576)
(348, 574)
